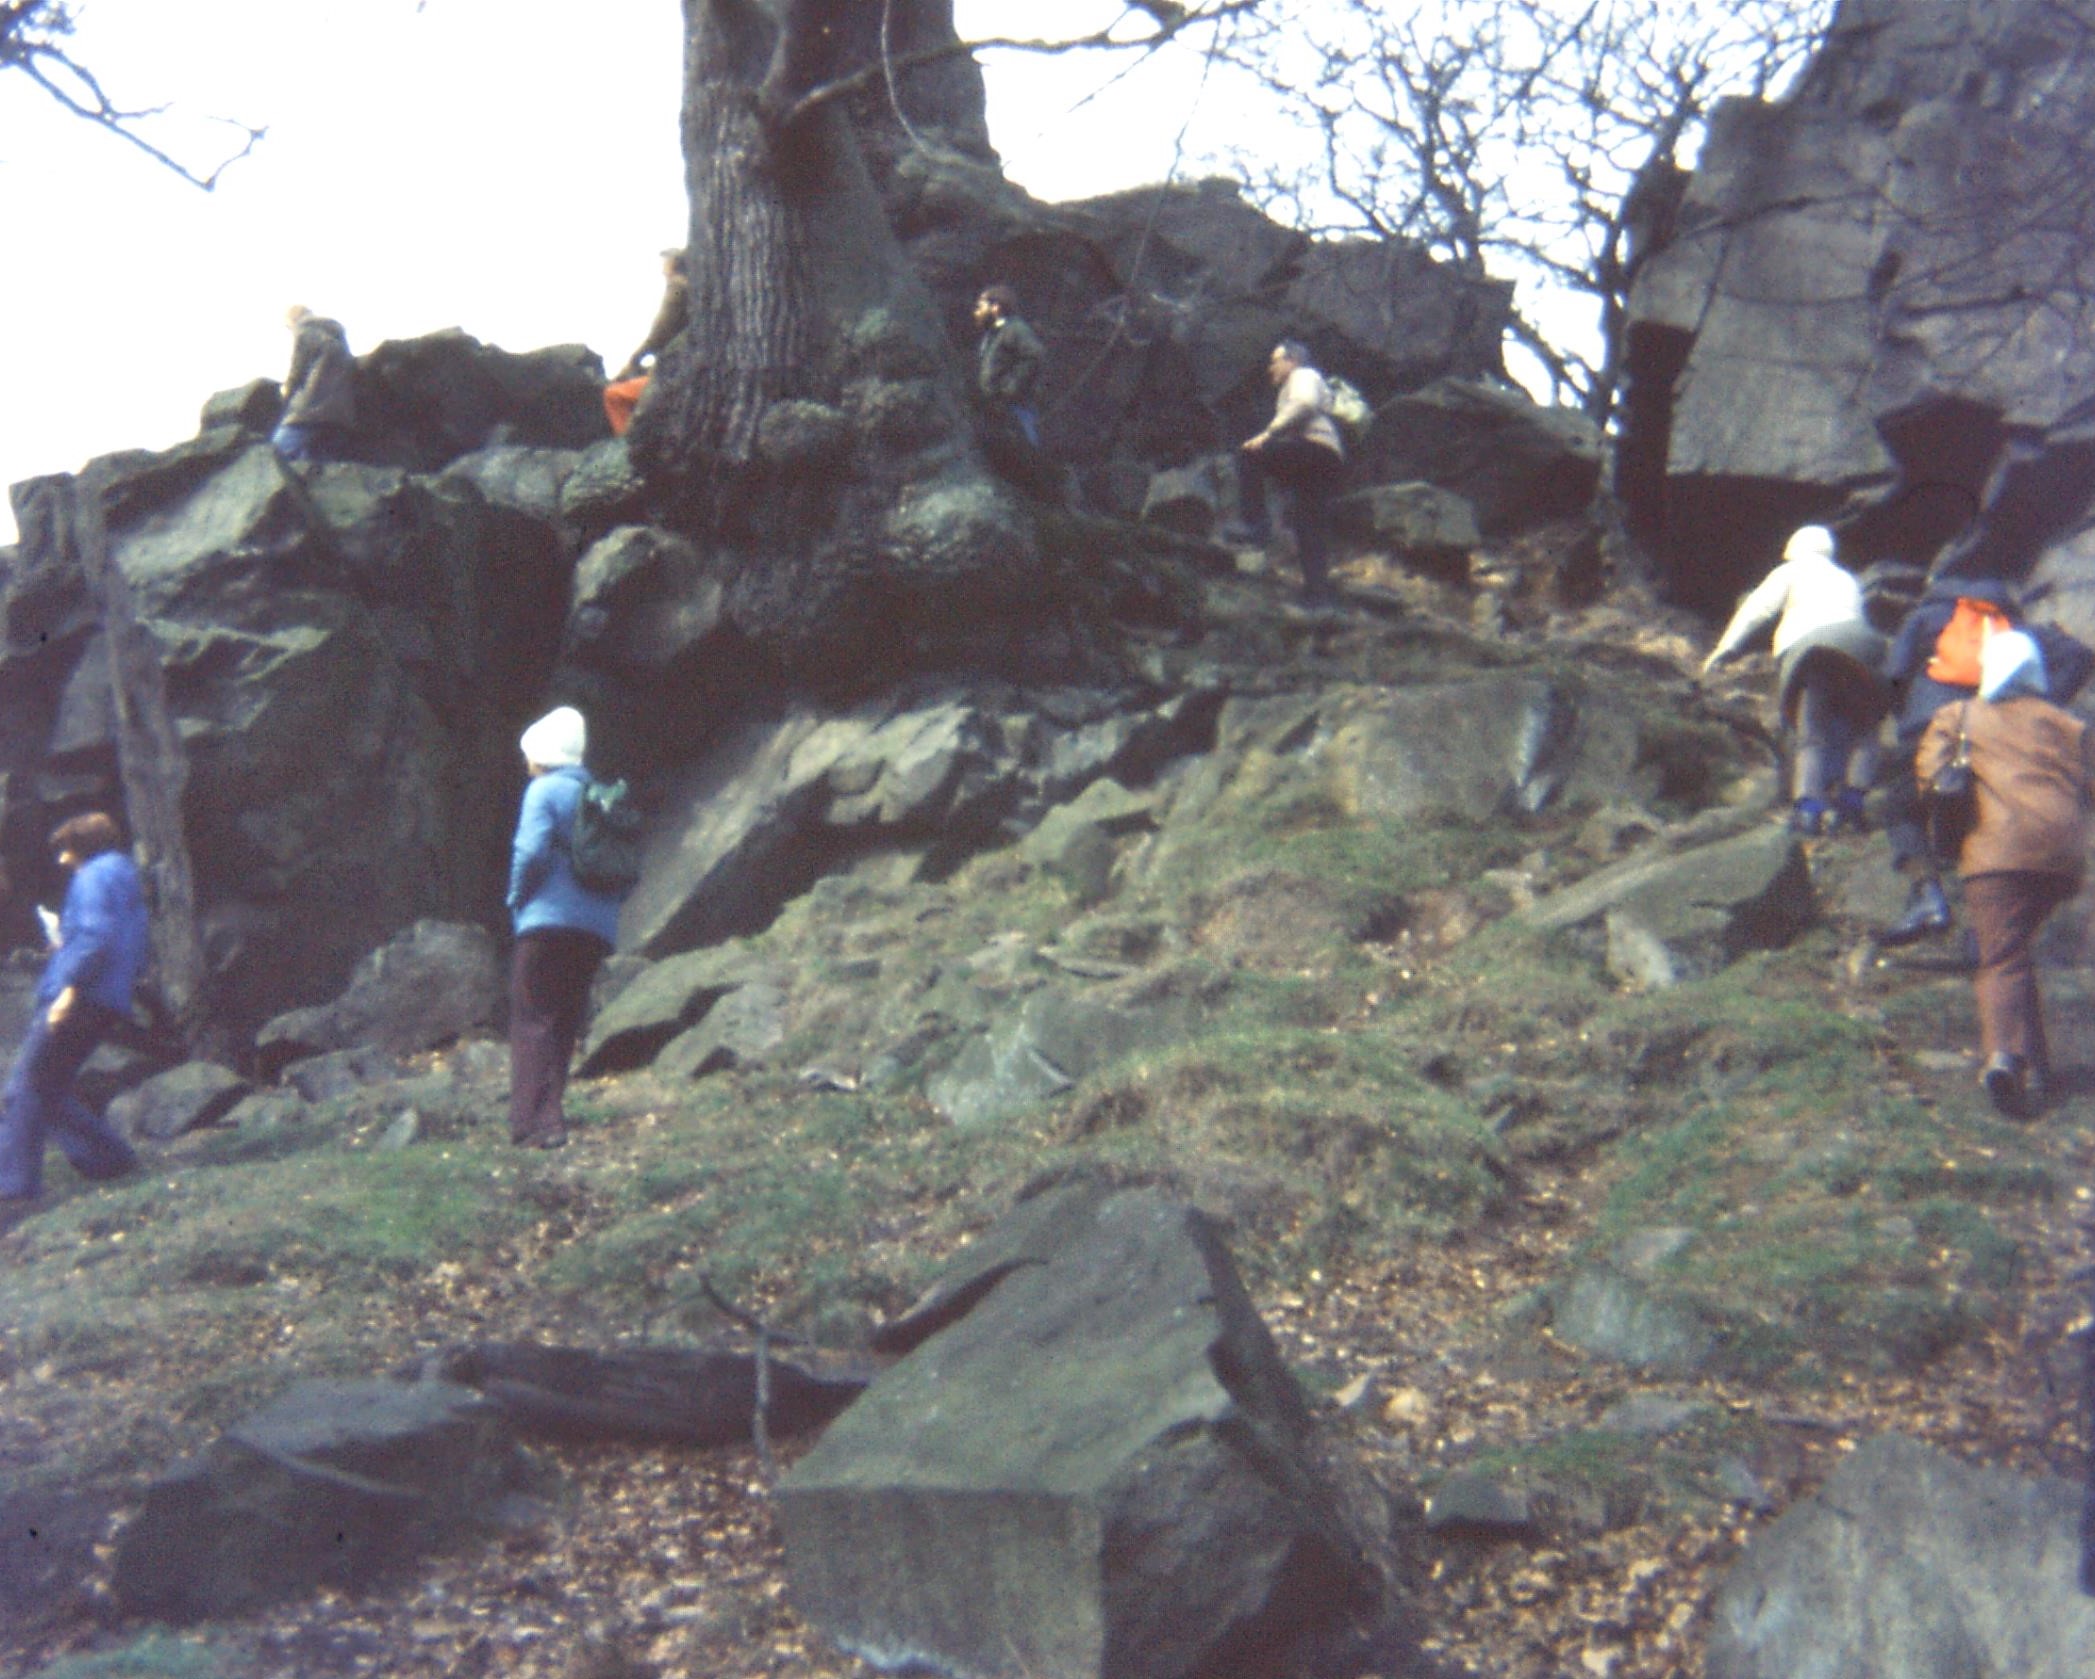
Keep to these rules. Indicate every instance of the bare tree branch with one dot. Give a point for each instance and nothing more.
(33, 34)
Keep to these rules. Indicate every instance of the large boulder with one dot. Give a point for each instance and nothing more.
(1093, 1462)
(1915, 1563)
(349, 654)
(424, 402)
(781, 801)
(1674, 915)
(433, 983)
(336, 1483)
(1514, 461)
(181, 1099)
(1869, 309)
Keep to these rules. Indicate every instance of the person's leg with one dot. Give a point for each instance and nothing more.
(94, 1147)
(2006, 910)
(533, 1037)
(620, 399)
(22, 1119)
(1927, 911)
(575, 956)
(1315, 486)
(1821, 741)
(1254, 517)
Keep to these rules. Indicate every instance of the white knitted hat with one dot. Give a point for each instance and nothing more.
(558, 739)
(1809, 542)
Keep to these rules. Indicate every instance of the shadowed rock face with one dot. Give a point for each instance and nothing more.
(1874, 308)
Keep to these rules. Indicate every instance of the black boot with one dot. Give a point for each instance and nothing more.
(1927, 914)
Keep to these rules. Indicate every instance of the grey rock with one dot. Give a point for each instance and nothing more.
(1515, 462)
(1687, 913)
(1614, 1316)
(430, 984)
(253, 407)
(424, 402)
(740, 1030)
(1139, 1500)
(401, 1134)
(336, 1483)
(1913, 1562)
(1650, 1413)
(341, 1072)
(659, 1002)
(1486, 1505)
(1432, 527)
(1057, 1037)
(604, 489)
(519, 476)
(1190, 500)
(194, 1094)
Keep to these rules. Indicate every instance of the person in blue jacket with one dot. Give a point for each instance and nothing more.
(563, 931)
(103, 942)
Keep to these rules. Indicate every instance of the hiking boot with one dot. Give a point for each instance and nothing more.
(1927, 915)
(2005, 1079)
(1808, 817)
(1848, 815)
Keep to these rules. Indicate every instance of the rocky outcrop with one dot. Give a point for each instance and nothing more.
(1093, 1462)
(1873, 308)
(349, 652)
(337, 1483)
(425, 987)
(1912, 1562)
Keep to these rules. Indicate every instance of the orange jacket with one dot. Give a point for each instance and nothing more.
(2034, 768)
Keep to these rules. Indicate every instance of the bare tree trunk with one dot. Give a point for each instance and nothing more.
(150, 763)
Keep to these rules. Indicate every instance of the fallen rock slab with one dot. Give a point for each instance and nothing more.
(336, 1483)
(1093, 1464)
(434, 982)
(181, 1099)
(1915, 1563)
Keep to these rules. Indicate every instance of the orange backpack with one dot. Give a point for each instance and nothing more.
(1956, 660)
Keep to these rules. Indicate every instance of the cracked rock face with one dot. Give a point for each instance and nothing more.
(1871, 307)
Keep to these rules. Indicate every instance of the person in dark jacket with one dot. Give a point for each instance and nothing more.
(563, 931)
(622, 396)
(2033, 766)
(1008, 358)
(319, 391)
(87, 985)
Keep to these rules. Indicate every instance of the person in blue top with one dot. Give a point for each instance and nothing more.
(103, 942)
(563, 931)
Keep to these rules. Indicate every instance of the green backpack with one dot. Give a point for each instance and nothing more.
(1349, 408)
(604, 848)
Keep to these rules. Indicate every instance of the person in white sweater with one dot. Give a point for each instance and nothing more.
(1831, 691)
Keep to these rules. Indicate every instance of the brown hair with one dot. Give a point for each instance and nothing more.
(1000, 297)
(85, 836)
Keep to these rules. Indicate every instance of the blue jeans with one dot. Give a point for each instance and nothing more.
(39, 1103)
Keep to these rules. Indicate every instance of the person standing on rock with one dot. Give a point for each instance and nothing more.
(102, 945)
(563, 930)
(1830, 692)
(2033, 769)
(319, 391)
(1008, 358)
(1302, 453)
(622, 395)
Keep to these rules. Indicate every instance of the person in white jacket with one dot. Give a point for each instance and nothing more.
(1831, 691)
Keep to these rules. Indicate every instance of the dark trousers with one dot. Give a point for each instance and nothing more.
(549, 979)
(1307, 475)
(39, 1103)
(1903, 824)
(2006, 909)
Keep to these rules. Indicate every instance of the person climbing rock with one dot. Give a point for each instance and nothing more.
(1008, 359)
(1302, 453)
(1829, 690)
(319, 392)
(2033, 768)
(87, 987)
(622, 395)
(564, 930)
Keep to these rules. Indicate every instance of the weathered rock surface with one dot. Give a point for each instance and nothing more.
(1872, 308)
(1434, 528)
(1915, 1563)
(785, 801)
(1093, 1462)
(337, 1483)
(349, 653)
(181, 1099)
(661, 1001)
(1684, 914)
(1514, 461)
(434, 982)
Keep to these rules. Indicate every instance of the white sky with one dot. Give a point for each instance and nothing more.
(506, 166)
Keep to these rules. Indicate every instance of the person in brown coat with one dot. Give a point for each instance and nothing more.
(623, 394)
(2033, 768)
